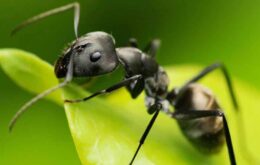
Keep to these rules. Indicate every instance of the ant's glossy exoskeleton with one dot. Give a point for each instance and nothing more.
(199, 115)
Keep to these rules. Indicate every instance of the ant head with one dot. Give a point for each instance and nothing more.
(93, 54)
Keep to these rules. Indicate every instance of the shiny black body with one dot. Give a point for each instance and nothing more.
(194, 107)
(205, 133)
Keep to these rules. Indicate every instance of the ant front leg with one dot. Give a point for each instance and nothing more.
(108, 90)
(195, 114)
(203, 73)
(152, 48)
(132, 42)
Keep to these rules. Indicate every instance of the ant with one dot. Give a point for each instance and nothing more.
(196, 110)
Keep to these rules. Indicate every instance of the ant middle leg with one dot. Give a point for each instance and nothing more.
(156, 109)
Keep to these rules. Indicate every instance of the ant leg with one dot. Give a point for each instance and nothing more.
(135, 88)
(155, 108)
(133, 42)
(203, 73)
(194, 114)
(108, 90)
(152, 48)
(74, 5)
(23, 109)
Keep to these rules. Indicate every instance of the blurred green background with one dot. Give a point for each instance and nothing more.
(192, 32)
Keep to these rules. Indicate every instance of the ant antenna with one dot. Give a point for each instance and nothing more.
(54, 11)
(23, 109)
(69, 74)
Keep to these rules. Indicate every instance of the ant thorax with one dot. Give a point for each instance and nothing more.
(157, 85)
(155, 80)
(156, 90)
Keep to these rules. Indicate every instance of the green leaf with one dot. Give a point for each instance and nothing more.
(29, 72)
(106, 130)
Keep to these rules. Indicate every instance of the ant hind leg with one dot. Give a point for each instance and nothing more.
(195, 114)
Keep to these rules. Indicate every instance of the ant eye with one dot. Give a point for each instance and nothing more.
(94, 57)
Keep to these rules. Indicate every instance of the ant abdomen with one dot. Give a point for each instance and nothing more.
(207, 133)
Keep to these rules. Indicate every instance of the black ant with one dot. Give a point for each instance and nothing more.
(197, 111)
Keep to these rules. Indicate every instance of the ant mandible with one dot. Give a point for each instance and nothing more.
(95, 54)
